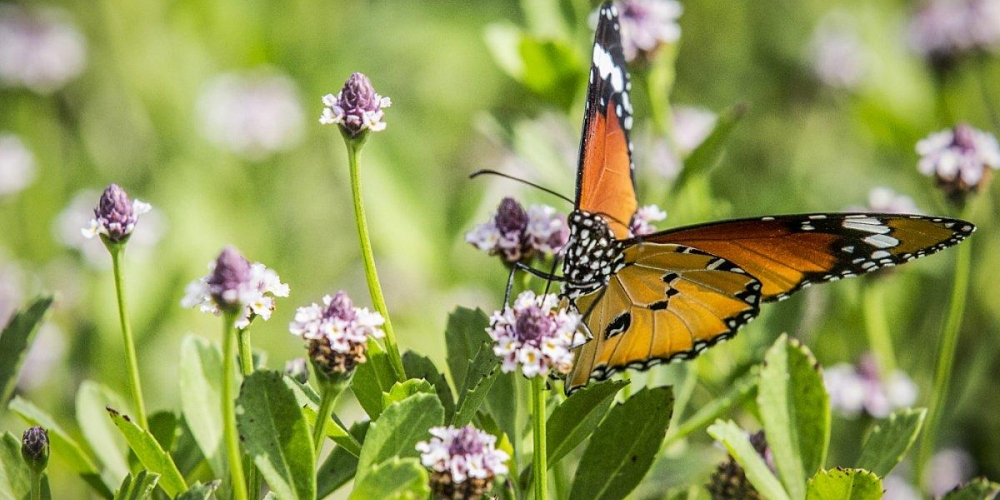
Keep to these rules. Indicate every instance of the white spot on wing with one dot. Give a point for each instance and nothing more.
(881, 241)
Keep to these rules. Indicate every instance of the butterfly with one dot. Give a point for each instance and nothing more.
(671, 295)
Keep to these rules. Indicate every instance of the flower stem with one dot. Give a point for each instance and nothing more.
(229, 407)
(877, 326)
(246, 356)
(538, 420)
(36, 484)
(331, 391)
(353, 151)
(131, 360)
(946, 358)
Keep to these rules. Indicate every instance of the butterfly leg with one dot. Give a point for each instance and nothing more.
(550, 276)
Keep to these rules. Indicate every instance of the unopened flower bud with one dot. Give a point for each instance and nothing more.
(35, 448)
(357, 108)
(230, 279)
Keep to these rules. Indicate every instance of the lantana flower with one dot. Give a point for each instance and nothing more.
(337, 332)
(517, 235)
(863, 388)
(356, 108)
(463, 461)
(642, 221)
(115, 216)
(646, 25)
(234, 284)
(536, 335)
(959, 158)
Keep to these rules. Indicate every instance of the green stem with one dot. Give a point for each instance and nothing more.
(877, 326)
(331, 390)
(131, 360)
(229, 406)
(539, 465)
(946, 358)
(353, 151)
(246, 356)
(36, 485)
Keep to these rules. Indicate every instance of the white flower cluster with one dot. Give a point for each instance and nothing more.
(860, 389)
(535, 335)
(339, 322)
(642, 221)
(516, 234)
(463, 453)
(258, 295)
(959, 154)
(646, 24)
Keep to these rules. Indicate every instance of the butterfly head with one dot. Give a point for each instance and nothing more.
(592, 255)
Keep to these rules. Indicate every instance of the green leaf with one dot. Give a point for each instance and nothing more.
(372, 378)
(552, 68)
(200, 491)
(737, 443)
(201, 398)
(844, 484)
(139, 487)
(572, 421)
(150, 454)
(340, 465)
(184, 450)
(479, 380)
(889, 441)
(403, 390)
(464, 335)
(623, 447)
(795, 410)
(501, 402)
(977, 489)
(396, 479)
(276, 435)
(396, 434)
(63, 446)
(100, 433)
(15, 478)
(740, 390)
(708, 154)
(15, 341)
(418, 366)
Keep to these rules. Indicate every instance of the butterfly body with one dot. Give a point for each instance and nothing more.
(670, 295)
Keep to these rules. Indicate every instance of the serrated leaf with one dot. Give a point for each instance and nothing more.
(623, 446)
(100, 433)
(150, 453)
(340, 465)
(889, 440)
(372, 378)
(844, 484)
(464, 334)
(576, 418)
(479, 378)
(201, 396)
(396, 479)
(795, 411)
(15, 478)
(15, 340)
(708, 154)
(200, 491)
(418, 366)
(276, 435)
(62, 446)
(976, 489)
(399, 429)
(138, 487)
(737, 443)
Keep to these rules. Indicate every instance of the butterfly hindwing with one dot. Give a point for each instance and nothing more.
(668, 302)
(604, 176)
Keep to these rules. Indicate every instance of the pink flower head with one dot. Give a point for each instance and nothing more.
(463, 461)
(535, 335)
(235, 284)
(337, 332)
(357, 108)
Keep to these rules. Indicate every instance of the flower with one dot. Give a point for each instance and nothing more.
(862, 388)
(35, 448)
(839, 57)
(17, 165)
(646, 25)
(690, 127)
(40, 49)
(233, 284)
(942, 30)
(644, 217)
(298, 370)
(356, 108)
(463, 461)
(885, 200)
(517, 234)
(958, 158)
(79, 212)
(898, 488)
(946, 469)
(337, 332)
(115, 216)
(729, 481)
(535, 335)
(253, 114)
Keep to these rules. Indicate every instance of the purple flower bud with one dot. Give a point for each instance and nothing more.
(341, 307)
(230, 279)
(35, 448)
(115, 215)
(357, 108)
(511, 217)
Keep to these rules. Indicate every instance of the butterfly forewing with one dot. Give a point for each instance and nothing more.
(668, 302)
(604, 177)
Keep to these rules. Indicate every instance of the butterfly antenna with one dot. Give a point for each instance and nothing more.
(485, 171)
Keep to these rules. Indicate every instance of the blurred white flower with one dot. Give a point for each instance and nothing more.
(863, 389)
(40, 48)
(947, 469)
(79, 213)
(642, 221)
(942, 29)
(45, 354)
(897, 488)
(691, 126)
(252, 114)
(839, 57)
(17, 164)
(12, 279)
(959, 158)
(647, 24)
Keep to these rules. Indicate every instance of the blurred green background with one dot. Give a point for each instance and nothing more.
(209, 111)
